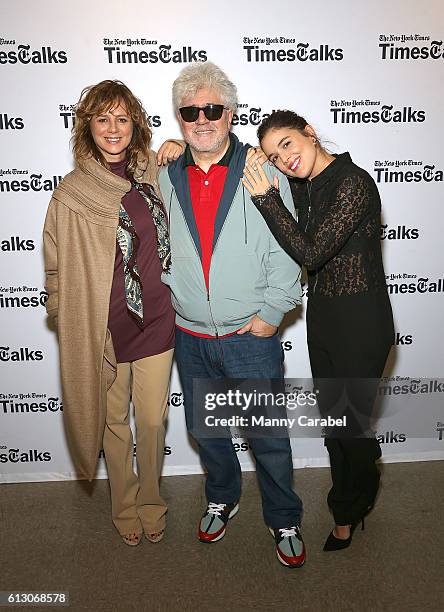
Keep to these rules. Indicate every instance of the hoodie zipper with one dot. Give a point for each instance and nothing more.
(198, 256)
(223, 225)
(212, 254)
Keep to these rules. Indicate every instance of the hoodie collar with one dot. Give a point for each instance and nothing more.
(179, 179)
(188, 159)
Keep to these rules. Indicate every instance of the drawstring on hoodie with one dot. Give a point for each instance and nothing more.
(245, 217)
(169, 218)
(169, 208)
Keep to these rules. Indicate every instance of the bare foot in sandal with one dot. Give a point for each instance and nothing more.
(155, 536)
(132, 539)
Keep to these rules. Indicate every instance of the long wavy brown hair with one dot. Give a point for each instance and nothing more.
(98, 99)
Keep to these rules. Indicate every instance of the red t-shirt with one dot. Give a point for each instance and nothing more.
(206, 190)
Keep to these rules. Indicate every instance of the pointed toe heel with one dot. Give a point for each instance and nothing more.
(334, 543)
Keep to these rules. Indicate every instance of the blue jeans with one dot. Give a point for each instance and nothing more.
(240, 356)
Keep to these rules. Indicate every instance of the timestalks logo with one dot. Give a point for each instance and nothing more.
(385, 114)
(433, 49)
(421, 285)
(403, 339)
(287, 345)
(15, 455)
(67, 113)
(390, 437)
(400, 232)
(252, 116)
(68, 116)
(16, 301)
(176, 399)
(166, 451)
(15, 243)
(35, 402)
(20, 354)
(163, 54)
(414, 386)
(425, 174)
(24, 54)
(240, 447)
(11, 123)
(32, 182)
(304, 289)
(300, 52)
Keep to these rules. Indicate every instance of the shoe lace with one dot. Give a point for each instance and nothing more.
(215, 509)
(288, 532)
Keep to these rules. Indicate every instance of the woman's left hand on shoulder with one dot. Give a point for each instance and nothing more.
(255, 180)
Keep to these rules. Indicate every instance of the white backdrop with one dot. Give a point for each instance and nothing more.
(368, 76)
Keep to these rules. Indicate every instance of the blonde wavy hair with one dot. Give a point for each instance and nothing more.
(98, 99)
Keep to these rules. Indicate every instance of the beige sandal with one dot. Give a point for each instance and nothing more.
(132, 539)
(156, 536)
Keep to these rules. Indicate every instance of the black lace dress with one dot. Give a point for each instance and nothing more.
(349, 319)
(337, 238)
(336, 235)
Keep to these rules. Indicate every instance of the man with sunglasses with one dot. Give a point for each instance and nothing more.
(231, 285)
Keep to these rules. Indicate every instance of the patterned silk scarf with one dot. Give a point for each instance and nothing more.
(129, 242)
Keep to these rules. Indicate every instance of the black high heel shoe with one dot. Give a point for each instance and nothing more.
(333, 543)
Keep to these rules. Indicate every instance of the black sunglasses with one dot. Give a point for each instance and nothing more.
(212, 112)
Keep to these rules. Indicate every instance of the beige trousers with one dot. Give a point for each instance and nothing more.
(136, 502)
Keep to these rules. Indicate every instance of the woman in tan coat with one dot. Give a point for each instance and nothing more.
(106, 243)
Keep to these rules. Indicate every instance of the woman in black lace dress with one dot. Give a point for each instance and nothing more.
(349, 317)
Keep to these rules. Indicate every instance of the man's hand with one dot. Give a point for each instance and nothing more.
(257, 327)
(169, 151)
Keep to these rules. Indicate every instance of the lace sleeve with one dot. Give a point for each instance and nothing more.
(343, 216)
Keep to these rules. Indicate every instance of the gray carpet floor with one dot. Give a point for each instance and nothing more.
(58, 536)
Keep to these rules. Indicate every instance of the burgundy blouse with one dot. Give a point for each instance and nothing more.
(157, 336)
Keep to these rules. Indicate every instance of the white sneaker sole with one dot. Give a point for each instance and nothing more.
(234, 511)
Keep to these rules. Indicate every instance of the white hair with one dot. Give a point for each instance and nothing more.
(204, 76)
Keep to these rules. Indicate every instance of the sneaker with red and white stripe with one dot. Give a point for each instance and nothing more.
(214, 521)
(290, 548)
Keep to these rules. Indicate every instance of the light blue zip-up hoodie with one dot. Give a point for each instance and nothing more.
(249, 274)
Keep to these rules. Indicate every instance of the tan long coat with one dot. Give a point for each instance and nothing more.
(80, 247)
